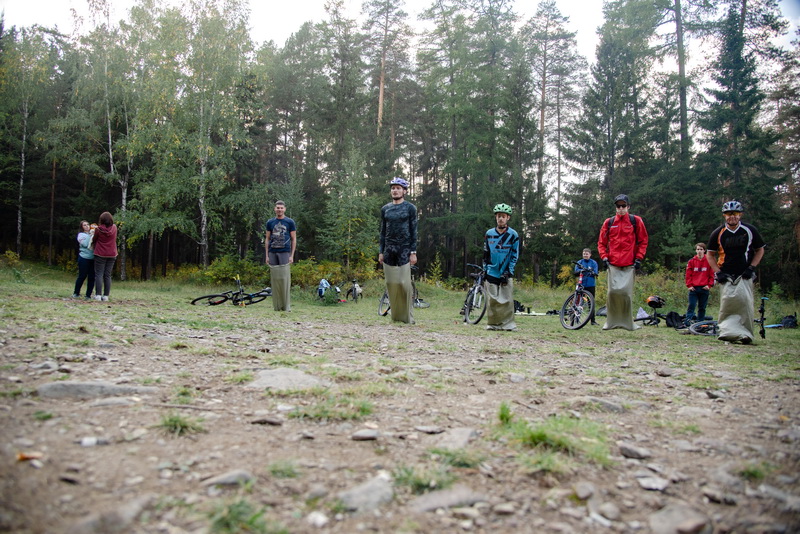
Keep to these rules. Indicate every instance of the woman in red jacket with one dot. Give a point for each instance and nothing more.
(105, 254)
(699, 279)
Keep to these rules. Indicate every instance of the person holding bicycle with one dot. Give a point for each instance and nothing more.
(699, 280)
(500, 254)
(398, 250)
(589, 282)
(734, 251)
(622, 245)
(281, 243)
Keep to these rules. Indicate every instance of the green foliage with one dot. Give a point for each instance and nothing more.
(307, 273)
(222, 271)
(332, 408)
(241, 516)
(504, 414)
(679, 241)
(283, 469)
(458, 457)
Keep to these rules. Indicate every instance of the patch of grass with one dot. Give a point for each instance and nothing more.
(178, 345)
(240, 378)
(241, 516)
(318, 391)
(504, 414)
(545, 462)
(42, 416)
(756, 471)
(179, 425)
(705, 382)
(148, 380)
(283, 469)
(16, 392)
(458, 457)
(676, 428)
(422, 480)
(334, 409)
(284, 361)
(184, 394)
(370, 389)
(563, 435)
(342, 375)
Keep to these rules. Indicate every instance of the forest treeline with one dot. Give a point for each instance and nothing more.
(187, 131)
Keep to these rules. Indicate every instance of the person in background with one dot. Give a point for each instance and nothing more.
(734, 251)
(589, 280)
(622, 245)
(500, 255)
(281, 244)
(85, 261)
(699, 280)
(105, 255)
(398, 250)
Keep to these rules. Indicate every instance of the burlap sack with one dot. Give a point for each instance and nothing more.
(500, 306)
(619, 301)
(281, 280)
(398, 285)
(736, 312)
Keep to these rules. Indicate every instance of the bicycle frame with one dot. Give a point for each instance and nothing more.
(475, 302)
(578, 308)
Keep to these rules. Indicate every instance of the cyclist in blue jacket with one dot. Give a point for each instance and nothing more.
(589, 281)
(500, 255)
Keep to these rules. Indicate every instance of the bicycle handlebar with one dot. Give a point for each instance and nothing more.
(584, 269)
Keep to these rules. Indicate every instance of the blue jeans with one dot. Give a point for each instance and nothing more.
(103, 267)
(85, 270)
(698, 298)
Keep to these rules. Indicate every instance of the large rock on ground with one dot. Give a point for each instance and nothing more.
(286, 379)
(88, 390)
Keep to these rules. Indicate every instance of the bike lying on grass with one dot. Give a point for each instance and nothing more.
(655, 302)
(238, 297)
(383, 303)
(577, 309)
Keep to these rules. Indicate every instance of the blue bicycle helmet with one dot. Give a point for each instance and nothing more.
(399, 181)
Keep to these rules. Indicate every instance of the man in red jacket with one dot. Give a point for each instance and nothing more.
(622, 245)
(699, 279)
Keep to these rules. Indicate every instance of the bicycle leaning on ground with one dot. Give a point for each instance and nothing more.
(474, 306)
(711, 328)
(238, 297)
(577, 309)
(383, 303)
(655, 302)
(354, 292)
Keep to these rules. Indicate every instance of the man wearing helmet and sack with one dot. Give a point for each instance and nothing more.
(398, 250)
(734, 251)
(500, 254)
(622, 245)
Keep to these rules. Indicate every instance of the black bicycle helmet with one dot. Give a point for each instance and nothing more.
(654, 301)
(622, 198)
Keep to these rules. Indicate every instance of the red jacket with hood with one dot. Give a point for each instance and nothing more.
(619, 243)
(105, 241)
(699, 273)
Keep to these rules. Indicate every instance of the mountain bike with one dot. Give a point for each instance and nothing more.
(383, 303)
(238, 297)
(474, 306)
(578, 307)
(354, 292)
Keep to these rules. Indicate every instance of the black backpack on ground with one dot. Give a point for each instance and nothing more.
(675, 319)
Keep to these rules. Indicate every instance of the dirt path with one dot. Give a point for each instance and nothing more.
(690, 441)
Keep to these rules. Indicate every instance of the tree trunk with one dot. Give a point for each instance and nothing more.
(52, 216)
(22, 176)
(682, 83)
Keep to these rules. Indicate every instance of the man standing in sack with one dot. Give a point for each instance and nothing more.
(734, 251)
(281, 243)
(500, 254)
(622, 245)
(398, 250)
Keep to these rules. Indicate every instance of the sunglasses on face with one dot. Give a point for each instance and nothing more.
(732, 213)
(622, 206)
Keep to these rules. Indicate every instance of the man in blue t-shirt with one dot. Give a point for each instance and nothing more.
(589, 281)
(281, 243)
(281, 238)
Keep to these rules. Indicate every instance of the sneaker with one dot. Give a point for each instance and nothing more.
(76, 296)
(105, 297)
(98, 297)
(88, 297)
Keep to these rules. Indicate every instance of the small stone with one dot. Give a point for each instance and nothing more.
(629, 450)
(516, 378)
(268, 420)
(505, 508)
(653, 483)
(429, 429)
(466, 513)
(365, 435)
(609, 510)
(317, 519)
(584, 490)
(231, 478)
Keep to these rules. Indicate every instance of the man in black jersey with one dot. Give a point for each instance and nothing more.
(398, 250)
(734, 251)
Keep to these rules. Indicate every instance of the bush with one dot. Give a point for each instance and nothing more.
(222, 270)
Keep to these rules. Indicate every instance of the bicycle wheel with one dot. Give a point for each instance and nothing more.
(352, 295)
(210, 300)
(476, 305)
(576, 310)
(704, 328)
(383, 304)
